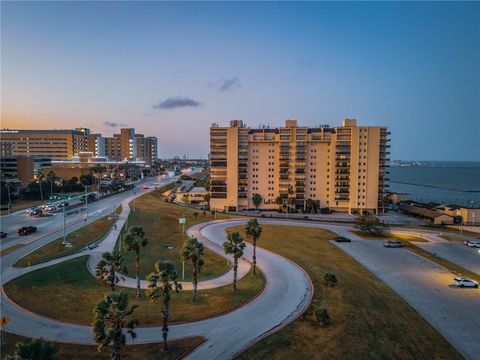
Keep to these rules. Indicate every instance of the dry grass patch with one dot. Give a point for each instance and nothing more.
(68, 292)
(369, 320)
(388, 236)
(131, 352)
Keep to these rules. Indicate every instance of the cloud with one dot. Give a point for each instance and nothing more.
(231, 84)
(176, 102)
(113, 124)
(307, 62)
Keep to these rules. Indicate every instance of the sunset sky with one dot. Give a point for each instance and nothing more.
(171, 69)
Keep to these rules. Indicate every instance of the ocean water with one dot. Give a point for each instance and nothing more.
(447, 175)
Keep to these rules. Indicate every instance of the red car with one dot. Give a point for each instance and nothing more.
(26, 230)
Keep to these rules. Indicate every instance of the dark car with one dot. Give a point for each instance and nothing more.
(26, 230)
(342, 239)
(3, 235)
(36, 212)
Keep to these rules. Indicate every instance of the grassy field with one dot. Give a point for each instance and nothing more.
(78, 238)
(68, 292)
(131, 352)
(369, 321)
(388, 236)
(11, 249)
(159, 220)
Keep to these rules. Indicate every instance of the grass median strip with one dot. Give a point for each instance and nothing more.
(454, 268)
(369, 320)
(389, 236)
(68, 292)
(160, 221)
(131, 352)
(78, 238)
(11, 249)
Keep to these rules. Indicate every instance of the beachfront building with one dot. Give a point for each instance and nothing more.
(342, 168)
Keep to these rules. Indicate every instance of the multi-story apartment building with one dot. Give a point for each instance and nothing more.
(342, 168)
(146, 148)
(23, 168)
(122, 146)
(96, 144)
(56, 144)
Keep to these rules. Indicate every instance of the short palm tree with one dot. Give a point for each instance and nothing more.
(111, 315)
(134, 241)
(162, 282)
(253, 230)
(234, 246)
(106, 270)
(257, 200)
(193, 250)
(35, 349)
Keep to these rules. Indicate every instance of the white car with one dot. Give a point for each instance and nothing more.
(464, 282)
(472, 243)
(31, 210)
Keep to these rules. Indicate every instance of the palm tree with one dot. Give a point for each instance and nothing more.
(110, 317)
(162, 282)
(234, 246)
(253, 230)
(107, 268)
(35, 349)
(193, 250)
(206, 198)
(257, 200)
(291, 200)
(39, 175)
(134, 241)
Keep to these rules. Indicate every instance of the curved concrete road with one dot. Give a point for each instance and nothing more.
(287, 294)
(420, 282)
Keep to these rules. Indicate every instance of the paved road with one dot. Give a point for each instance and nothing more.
(456, 252)
(11, 223)
(287, 293)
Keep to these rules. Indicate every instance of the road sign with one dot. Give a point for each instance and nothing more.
(181, 220)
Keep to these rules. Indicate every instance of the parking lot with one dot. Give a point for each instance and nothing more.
(428, 288)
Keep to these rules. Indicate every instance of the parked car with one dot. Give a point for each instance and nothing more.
(472, 243)
(464, 282)
(393, 244)
(3, 235)
(26, 230)
(341, 239)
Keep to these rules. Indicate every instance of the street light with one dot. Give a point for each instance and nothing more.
(86, 200)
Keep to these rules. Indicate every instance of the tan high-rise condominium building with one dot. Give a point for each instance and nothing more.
(342, 168)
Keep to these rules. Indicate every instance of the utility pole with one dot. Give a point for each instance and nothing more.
(64, 225)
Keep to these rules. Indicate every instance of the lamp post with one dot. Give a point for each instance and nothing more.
(86, 200)
(64, 225)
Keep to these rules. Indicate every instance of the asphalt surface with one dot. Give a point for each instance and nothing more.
(456, 252)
